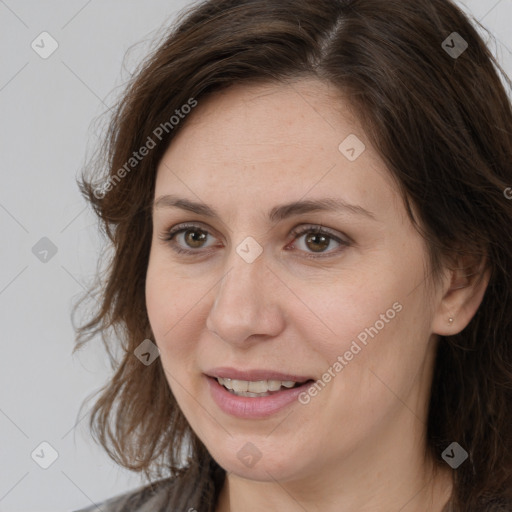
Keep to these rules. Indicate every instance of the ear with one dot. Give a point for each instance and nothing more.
(462, 293)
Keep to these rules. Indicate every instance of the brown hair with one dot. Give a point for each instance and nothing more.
(442, 124)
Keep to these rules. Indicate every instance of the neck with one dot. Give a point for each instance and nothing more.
(373, 478)
(241, 495)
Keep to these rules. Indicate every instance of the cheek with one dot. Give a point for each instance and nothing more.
(166, 304)
(168, 298)
(369, 328)
(174, 307)
(365, 335)
(159, 303)
(343, 309)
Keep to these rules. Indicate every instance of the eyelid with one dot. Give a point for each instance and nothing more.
(184, 226)
(340, 238)
(319, 228)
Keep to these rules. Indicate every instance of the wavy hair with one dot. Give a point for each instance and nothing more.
(442, 124)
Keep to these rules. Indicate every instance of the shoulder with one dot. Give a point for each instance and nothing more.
(192, 488)
(153, 497)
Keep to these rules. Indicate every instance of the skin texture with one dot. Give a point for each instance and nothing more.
(359, 444)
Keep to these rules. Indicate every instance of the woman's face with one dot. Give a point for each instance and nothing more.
(257, 295)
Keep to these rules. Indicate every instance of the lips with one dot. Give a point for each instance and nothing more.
(248, 405)
(255, 375)
(245, 407)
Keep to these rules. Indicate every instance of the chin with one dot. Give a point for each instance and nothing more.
(252, 463)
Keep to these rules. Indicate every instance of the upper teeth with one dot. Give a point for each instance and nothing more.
(259, 386)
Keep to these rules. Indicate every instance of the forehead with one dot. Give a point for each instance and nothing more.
(259, 143)
(245, 120)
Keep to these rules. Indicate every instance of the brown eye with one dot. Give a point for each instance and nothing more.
(317, 242)
(316, 239)
(193, 239)
(190, 236)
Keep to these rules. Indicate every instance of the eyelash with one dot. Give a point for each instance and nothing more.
(169, 236)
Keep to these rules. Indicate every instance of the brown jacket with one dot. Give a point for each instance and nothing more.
(173, 494)
(150, 498)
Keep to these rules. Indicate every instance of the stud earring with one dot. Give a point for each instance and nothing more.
(450, 320)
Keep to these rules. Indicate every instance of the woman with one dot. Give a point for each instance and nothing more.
(312, 263)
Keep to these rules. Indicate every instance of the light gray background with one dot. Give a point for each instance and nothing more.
(47, 107)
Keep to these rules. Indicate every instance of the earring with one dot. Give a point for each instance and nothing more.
(450, 320)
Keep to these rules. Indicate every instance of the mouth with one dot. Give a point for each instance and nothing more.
(256, 383)
(258, 388)
(254, 394)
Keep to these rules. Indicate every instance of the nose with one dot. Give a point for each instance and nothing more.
(246, 307)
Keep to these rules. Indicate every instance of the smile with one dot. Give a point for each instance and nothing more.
(256, 388)
(254, 399)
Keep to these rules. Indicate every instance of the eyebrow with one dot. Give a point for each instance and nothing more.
(275, 215)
